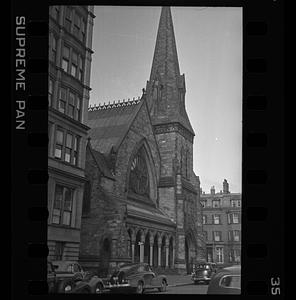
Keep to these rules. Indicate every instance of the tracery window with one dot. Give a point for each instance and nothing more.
(139, 180)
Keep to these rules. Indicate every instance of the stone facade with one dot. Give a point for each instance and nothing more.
(143, 202)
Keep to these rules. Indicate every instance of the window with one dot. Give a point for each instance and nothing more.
(236, 235)
(216, 203)
(66, 57)
(62, 100)
(50, 92)
(74, 65)
(71, 106)
(76, 25)
(66, 146)
(217, 236)
(59, 250)
(138, 182)
(235, 203)
(219, 255)
(68, 19)
(77, 109)
(62, 209)
(204, 219)
(53, 49)
(80, 72)
(233, 218)
(59, 144)
(82, 30)
(203, 203)
(216, 219)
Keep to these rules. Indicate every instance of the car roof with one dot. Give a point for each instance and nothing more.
(236, 269)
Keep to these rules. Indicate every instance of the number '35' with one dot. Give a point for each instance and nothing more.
(275, 282)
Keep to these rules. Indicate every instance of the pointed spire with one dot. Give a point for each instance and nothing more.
(165, 89)
(165, 59)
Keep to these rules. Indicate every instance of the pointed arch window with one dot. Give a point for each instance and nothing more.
(139, 179)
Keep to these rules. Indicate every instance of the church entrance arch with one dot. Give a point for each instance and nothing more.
(155, 251)
(163, 241)
(137, 246)
(147, 249)
(171, 249)
(105, 257)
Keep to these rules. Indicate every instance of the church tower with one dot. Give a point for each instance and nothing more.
(178, 185)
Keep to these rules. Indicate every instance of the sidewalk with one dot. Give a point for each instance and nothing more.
(178, 280)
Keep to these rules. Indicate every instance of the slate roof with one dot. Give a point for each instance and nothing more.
(110, 124)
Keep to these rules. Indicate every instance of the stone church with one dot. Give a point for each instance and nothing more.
(142, 197)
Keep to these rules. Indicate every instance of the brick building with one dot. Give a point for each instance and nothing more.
(70, 42)
(222, 225)
(142, 195)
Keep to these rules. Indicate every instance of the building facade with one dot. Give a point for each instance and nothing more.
(70, 42)
(142, 195)
(221, 215)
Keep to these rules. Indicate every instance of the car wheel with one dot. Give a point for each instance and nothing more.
(99, 288)
(163, 286)
(67, 287)
(140, 288)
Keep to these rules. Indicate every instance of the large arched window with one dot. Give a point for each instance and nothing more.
(139, 178)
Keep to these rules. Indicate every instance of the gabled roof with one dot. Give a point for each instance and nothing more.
(110, 123)
(102, 162)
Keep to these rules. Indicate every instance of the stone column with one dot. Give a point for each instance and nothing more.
(141, 252)
(173, 258)
(166, 256)
(159, 255)
(133, 252)
(151, 255)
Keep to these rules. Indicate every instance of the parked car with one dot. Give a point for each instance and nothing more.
(226, 281)
(136, 277)
(90, 284)
(203, 272)
(69, 277)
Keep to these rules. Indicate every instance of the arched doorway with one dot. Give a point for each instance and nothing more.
(187, 256)
(155, 251)
(147, 249)
(137, 247)
(163, 252)
(171, 249)
(105, 257)
(130, 244)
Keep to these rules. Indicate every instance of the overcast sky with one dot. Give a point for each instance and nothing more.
(209, 46)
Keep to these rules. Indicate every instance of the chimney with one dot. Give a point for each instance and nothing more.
(212, 190)
(225, 187)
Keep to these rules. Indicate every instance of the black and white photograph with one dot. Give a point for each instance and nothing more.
(145, 149)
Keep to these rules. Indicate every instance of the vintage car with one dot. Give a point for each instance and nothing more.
(203, 272)
(226, 281)
(136, 277)
(69, 277)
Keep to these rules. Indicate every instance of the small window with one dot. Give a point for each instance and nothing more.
(216, 203)
(66, 58)
(68, 19)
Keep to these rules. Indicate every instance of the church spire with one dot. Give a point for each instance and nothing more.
(165, 59)
(166, 86)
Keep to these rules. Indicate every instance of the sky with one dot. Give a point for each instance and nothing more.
(209, 47)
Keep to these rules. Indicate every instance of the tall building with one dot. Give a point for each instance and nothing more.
(142, 195)
(70, 42)
(222, 225)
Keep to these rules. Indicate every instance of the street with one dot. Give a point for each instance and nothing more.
(185, 289)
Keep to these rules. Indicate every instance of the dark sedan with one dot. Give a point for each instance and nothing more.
(136, 277)
(69, 277)
(226, 281)
(203, 273)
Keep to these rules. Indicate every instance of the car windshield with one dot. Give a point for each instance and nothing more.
(203, 267)
(127, 268)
